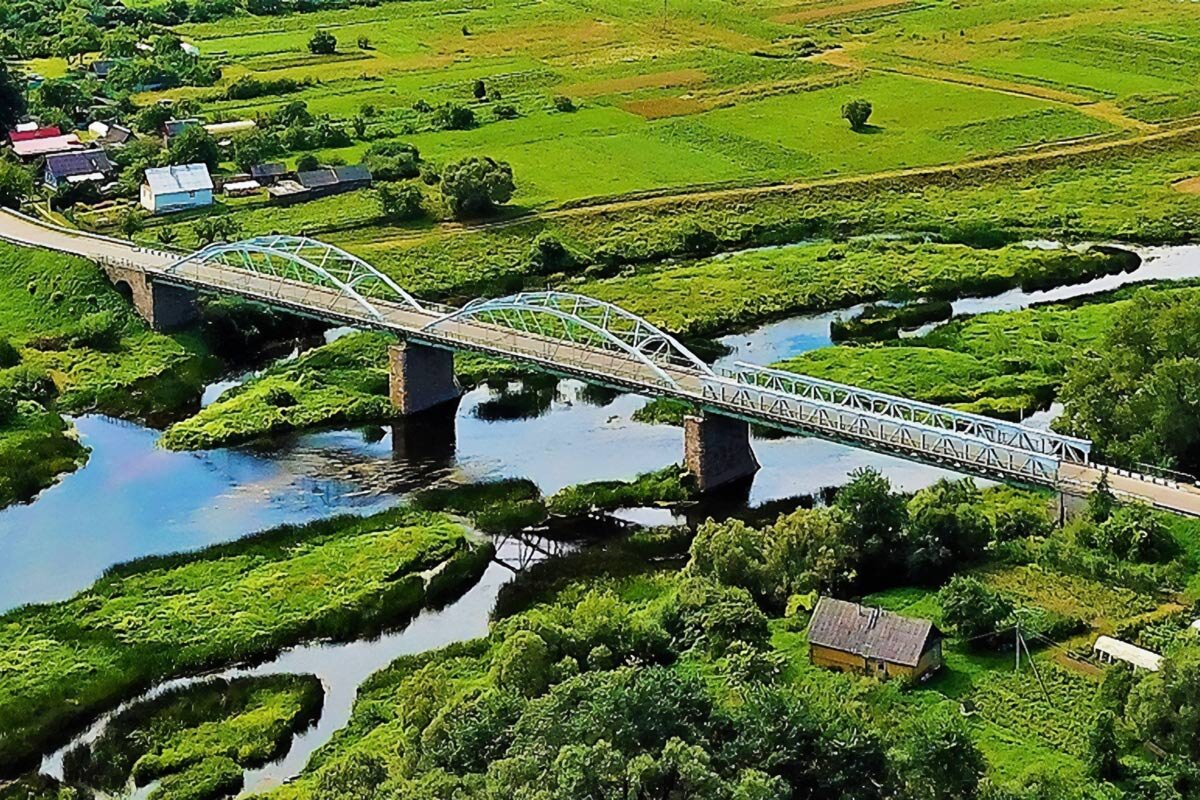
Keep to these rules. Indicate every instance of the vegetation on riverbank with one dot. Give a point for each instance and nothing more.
(721, 294)
(166, 616)
(1007, 363)
(71, 344)
(183, 735)
(640, 682)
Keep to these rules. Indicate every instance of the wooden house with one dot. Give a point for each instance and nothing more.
(871, 641)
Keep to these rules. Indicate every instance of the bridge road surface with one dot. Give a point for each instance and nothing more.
(593, 364)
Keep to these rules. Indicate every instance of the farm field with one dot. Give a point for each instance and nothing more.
(708, 93)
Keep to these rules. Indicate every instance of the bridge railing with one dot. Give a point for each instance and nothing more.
(1000, 432)
(815, 415)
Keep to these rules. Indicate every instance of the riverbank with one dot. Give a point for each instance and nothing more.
(72, 345)
(160, 617)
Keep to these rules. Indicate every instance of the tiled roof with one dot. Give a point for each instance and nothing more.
(181, 178)
(870, 632)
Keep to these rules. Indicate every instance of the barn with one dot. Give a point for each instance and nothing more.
(870, 641)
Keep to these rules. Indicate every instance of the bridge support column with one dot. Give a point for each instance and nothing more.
(421, 378)
(716, 450)
(165, 307)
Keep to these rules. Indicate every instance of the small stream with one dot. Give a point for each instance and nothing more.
(138, 499)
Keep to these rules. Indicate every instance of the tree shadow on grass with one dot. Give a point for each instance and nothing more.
(870, 129)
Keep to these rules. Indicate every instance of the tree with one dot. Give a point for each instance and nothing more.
(12, 96)
(359, 124)
(808, 550)
(972, 609)
(564, 104)
(307, 163)
(254, 147)
(400, 201)
(1164, 706)
(322, 43)
(874, 518)
(945, 527)
(194, 146)
(132, 224)
(15, 184)
(937, 759)
(479, 90)
(1104, 748)
(1101, 502)
(64, 94)
(475, 185)
(857, 112)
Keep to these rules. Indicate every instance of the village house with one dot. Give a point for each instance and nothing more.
(35, 142)
(72, 169)
(177, 188)
(870, 641)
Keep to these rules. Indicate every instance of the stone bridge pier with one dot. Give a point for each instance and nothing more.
(164, 306)
(420, 378)
(716, 451)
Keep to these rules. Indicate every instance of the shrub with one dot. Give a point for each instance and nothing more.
(9, 357)
(453, 117)
(857, 112)
(563, 103)
(400, 201)
(322, 43)
(392, 161)
(504, 111)
(476, 185)
(974, 611)
(307, 162)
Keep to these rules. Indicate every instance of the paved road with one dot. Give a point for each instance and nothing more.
(616, 369)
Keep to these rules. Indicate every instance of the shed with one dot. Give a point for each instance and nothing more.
(322, 182)
(177, 188)
(69, 169)
(111, 133)
(1111, 650)
(101, 67)
(174, 127)
(871, 641)
(27, 131)
(266, 174)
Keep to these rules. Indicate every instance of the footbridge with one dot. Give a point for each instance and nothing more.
(597, 342)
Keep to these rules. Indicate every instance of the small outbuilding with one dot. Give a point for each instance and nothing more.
(311, 184)
(39, 146)
(72, 169)
(1110, 650)
(269, 173)
(177, 188)
(111, 133)
(870, 641)
(174, 127)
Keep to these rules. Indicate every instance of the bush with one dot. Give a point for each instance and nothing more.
(504, 111)
(9, 357)
(400, 202)
(392, 161)
(857, 112)
(563, 103)
(322, 43)
(453, 117)
(476, 185)
(972, 610)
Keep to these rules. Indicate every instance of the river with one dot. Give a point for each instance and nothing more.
(134, 499)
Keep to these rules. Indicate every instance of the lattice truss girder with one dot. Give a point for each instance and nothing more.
(563, 318)
(1008, 434)
(842, 421)
(299, 259)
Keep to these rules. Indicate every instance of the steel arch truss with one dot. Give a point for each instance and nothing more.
(302, 260)
(901, 409)
(583, 322)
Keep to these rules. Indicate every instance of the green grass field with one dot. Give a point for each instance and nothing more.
(714, 93)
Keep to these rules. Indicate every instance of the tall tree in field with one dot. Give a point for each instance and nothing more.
(12, 96)
(476, 185)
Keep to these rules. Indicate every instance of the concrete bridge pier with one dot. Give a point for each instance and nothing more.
(164, 306)
(421, 378)
(716, 450)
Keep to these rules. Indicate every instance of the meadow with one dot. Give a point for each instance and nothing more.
(167, 616)
(1007, 363)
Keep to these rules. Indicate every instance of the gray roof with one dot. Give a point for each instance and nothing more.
(270, 169)
(330, 176)
(85, 162)
(181, 178)
(870, 632)
(174, 127)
